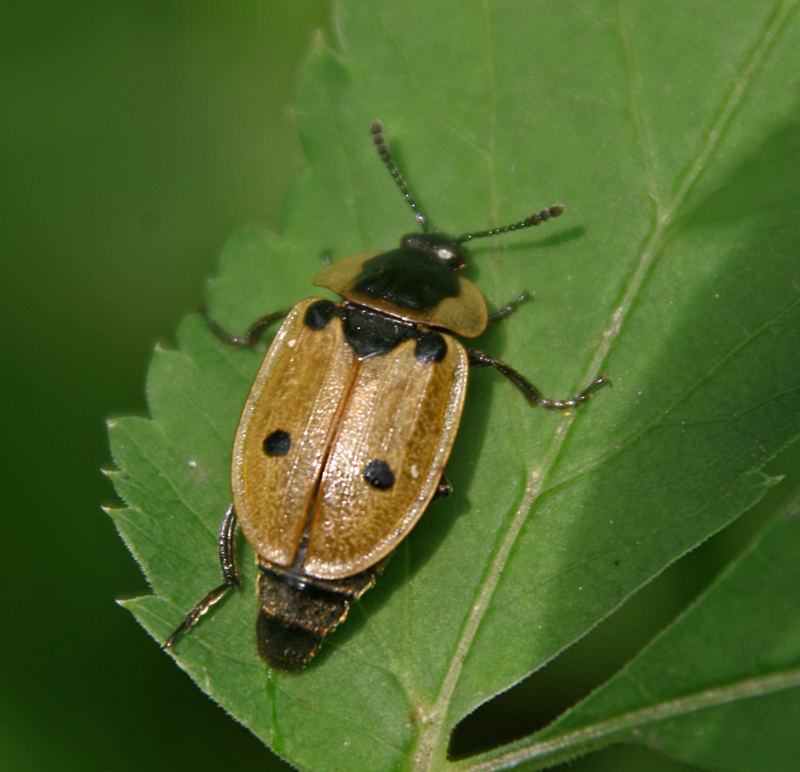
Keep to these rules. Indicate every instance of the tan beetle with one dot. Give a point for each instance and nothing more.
(345, 435)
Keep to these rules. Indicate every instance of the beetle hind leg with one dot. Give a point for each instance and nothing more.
(532, 394)
(230, 576)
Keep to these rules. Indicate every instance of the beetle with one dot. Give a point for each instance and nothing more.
(344, 437)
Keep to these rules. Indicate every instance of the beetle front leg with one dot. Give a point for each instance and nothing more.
(253, 334)
(532, 394)
(509, 308)
(230, 575)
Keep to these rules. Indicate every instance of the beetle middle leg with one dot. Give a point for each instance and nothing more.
(532, 394)
(444, 488)
(230, 576)
(254, 332)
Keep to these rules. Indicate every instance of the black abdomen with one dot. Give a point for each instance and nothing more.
(297, 612)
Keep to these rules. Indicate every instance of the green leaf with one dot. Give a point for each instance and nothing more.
(719, 688)
(673, 140)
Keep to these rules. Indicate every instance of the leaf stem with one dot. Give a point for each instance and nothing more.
(566, 745)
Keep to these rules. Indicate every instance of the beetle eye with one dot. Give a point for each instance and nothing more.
(445, 254)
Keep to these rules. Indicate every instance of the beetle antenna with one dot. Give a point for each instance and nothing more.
(534, 219)
(376, 127)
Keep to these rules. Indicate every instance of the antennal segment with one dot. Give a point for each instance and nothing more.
(534, 219)
(376, 127)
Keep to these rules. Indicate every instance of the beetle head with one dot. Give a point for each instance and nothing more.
(439, 245)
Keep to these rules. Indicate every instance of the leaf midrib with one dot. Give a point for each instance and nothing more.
(432, 739)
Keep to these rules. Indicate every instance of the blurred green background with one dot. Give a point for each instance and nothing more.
(135, 138)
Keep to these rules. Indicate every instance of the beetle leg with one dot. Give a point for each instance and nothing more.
(226, 549)
(509, 308)
(444, 488)
(532, 394)
(230, 576)
(254, 331)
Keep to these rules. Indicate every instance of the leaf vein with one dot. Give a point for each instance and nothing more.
(432, 740)
(591, 734)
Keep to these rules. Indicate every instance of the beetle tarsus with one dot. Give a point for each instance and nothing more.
(230, 576)
(582, 396)
(509, 308)
(194, 616)
(254, 332)
(532, 394)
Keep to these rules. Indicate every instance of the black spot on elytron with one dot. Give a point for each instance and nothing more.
(431, 347)
(319, 314)
(277, 443)
(378, 475)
